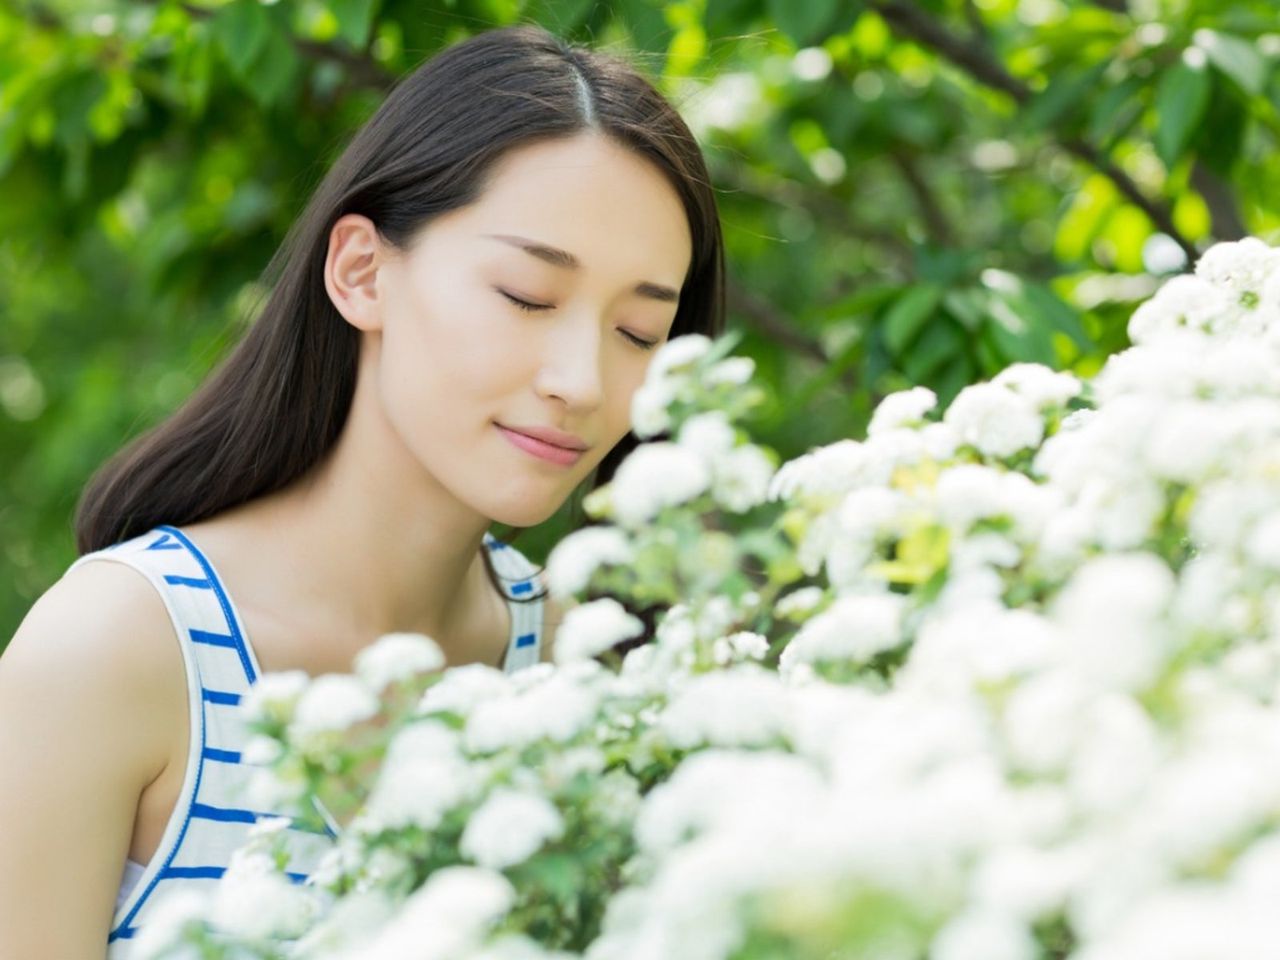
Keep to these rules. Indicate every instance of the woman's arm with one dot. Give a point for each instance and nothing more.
(84, 684)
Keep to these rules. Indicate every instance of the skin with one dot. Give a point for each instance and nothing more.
(385, 535)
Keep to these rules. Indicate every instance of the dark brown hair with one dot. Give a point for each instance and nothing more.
(275, 406)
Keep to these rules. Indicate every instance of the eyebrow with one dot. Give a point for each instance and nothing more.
(567, 261)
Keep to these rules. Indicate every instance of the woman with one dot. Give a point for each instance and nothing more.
(456, 326)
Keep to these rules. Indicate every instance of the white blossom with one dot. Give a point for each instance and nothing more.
(741, 478)
(676, 354)
(744, 706)
(394, 657)
(509, 827)
(423, 776)
(1241, 268)
(556, 709)
(331, 703)
(464, 687)
(853, 628)
(256, 902)
(445, 918)
(731, 370)
(592, 628)
(798, 604)
(168, 922)
(834, 468)
(1039, 385)
(575, 558)
(995, 420)
(274, 695)
(656, 475)
(984, 935)
(650, 405)
(710, 435)
(902, 409)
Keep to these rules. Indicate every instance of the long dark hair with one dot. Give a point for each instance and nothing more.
(275, 406)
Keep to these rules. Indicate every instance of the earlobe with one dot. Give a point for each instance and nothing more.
(351, 268)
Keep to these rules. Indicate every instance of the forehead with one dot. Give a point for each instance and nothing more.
(613, 209)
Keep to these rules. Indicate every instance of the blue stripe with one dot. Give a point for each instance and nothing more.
(213, 639)
(193, 873)
(211, 873)
(124, 931)
(222, 756)
(165, 542)
(224, 814)
(220, 696)
(230, 815)
(525, 587)
(232, 625)
(526, 640)
(188, 581)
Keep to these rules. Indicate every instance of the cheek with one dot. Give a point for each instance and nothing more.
(451, 342)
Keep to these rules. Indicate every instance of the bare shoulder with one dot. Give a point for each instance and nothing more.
(86, 685)
(102, 621)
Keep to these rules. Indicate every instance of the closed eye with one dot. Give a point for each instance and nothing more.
(525, 304)
(533, 307)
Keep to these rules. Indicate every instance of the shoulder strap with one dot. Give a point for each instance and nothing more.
(524, 592)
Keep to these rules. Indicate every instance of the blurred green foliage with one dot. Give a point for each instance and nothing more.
(912, 191)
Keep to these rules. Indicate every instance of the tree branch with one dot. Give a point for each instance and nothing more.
(364, 71)
(1224, 214)
(789, 193)
(766, 318)
(914, 23)
(934, 216)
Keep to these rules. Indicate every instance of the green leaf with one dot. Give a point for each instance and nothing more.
(1016, 333)
(558, 16)
(1181, 100)
(1236, 57)
(1219, 138)
(355, 19)
(908, 315)
(936, 346)
(274, 71)
(1115, 111)
(1059, 100)
(804, 21)
(241, 29)
(1055, 312)
(728, 16)
(647, 24)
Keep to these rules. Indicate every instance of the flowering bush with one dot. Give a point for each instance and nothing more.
(995, 683)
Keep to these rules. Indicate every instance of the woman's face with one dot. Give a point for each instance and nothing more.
(463, 369)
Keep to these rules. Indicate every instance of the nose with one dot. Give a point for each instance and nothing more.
(570, 367)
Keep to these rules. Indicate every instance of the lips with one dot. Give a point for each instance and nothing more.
(541, 449)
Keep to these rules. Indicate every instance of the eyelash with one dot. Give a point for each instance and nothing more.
(533, 307)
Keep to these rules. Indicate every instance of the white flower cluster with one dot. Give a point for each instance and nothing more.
(690, 391)
(1026, 700)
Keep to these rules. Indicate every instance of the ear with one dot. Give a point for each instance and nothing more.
(355, 255)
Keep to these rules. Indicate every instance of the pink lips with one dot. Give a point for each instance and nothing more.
(540, 448)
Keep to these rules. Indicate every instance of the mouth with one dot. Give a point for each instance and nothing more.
(549, 452)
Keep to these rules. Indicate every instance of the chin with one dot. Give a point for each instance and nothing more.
(523, 514)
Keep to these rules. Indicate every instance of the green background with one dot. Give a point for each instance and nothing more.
(912, 191)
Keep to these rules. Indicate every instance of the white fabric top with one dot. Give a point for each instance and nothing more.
(211, 819)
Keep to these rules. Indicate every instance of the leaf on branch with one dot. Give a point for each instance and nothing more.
(1181, 100)
(909, 314)
(1236, 57)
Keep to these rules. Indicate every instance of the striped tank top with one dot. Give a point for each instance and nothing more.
(211, 819)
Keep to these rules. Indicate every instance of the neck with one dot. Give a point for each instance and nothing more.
(369, 543)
